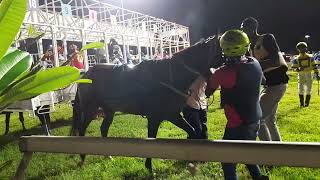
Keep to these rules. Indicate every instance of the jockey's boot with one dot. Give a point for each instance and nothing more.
(301, 100)
(307, 100)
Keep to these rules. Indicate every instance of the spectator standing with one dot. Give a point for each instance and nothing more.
(275, 81)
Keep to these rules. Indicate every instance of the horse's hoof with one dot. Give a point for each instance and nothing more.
(192, 168)
(81, 163)
(152, 176)
(109, 157)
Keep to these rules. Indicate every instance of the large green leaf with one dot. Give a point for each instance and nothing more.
(30, 29)
(84, 81)
(16, 71)
(92, 45)
(44, 81)
(10, 60)
(12, 14)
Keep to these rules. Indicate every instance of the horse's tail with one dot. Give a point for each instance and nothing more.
(76, 115)
(80, 107)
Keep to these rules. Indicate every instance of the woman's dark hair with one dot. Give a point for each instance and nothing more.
(271, 45)
(113, 41)
(250, 23)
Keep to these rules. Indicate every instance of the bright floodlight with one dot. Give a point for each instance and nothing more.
(307, 36)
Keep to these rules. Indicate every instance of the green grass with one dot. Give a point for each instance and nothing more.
(295, 125)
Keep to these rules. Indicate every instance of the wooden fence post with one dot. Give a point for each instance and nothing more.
(23, 166)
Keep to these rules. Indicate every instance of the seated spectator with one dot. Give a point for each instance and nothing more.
(77, 60)
(101, 54)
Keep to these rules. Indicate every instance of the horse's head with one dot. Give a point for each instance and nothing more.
(203, 55)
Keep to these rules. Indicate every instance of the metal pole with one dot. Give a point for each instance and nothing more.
(122, 11)
(85, 56)
(124, 49)
(139, 50)
(54, 46)
(106, 47)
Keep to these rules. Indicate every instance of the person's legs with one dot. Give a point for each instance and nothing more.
(301, 83)
(229, 169)
(309, 88)
(265, 103)
(249, 132)
(203, 122)
(269, 101)
(192, 117)
(279, 92)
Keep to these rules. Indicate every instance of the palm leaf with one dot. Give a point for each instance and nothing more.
(44, 81)
(16, 71)
(10, 60)
(92, 45)
(12, 14)
(84, 81)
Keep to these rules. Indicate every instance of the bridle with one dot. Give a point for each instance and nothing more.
(212, 54)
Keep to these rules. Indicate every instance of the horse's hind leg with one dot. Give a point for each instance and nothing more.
(87, 116)
(153, 126)
(107, 121)
(21, 118)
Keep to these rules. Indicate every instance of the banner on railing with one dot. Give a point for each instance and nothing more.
(93, 15)
(66, 10)
(33, 4)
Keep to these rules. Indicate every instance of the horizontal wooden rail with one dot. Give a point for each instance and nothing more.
(248, 152)
(258, 152)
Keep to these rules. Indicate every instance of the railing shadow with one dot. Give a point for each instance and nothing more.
(14, 136)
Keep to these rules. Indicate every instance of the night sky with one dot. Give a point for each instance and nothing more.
(288, 20)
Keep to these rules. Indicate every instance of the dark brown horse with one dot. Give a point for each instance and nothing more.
(155, 89)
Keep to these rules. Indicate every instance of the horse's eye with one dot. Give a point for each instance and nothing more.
(258, 47)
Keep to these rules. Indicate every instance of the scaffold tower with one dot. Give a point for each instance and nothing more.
(96, 20)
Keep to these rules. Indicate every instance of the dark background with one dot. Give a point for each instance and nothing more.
(288, 20)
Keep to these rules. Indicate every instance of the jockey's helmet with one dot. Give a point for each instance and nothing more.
(234, 43)
(302, 46)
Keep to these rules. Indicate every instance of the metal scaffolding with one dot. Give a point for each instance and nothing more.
(95, 20)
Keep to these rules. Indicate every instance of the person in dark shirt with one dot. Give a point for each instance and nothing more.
(266, 50)
(239, 79)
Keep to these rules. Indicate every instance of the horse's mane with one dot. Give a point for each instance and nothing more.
(200, 44)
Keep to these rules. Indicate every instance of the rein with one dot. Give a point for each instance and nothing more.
(212, 51)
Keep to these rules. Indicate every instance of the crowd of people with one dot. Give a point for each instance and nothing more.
(76, 60)
(115, 53)
(251, 61)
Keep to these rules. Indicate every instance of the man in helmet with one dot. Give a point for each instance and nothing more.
(239, 79)
(304, 64)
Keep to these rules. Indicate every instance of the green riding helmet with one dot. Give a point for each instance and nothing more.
(301, 45)
(234, 43)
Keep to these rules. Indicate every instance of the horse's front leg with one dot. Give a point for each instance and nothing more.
(107, 121)
(8, 114)
(21, 118)
(153, 126)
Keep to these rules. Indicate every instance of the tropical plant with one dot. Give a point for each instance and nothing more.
(17, 80)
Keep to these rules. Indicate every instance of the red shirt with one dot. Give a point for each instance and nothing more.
(77, 61)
